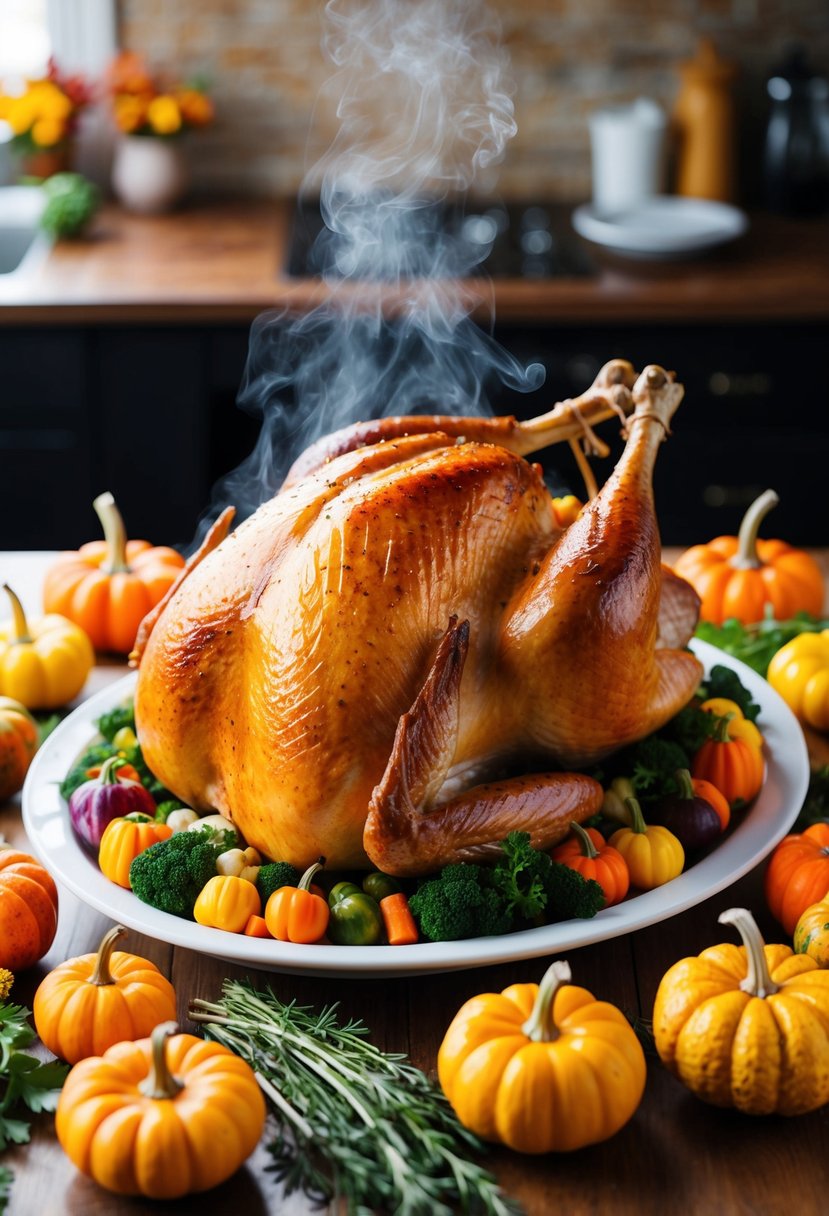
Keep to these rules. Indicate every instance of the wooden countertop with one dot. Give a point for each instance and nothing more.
(675, 1151)
(222, 262)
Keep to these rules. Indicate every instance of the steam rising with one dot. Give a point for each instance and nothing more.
(425, 112)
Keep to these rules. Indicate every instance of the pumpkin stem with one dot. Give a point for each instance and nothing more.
(304, 883)
(637, 819)
(746, 556)
(588, 849)
(159, 1082)
(540, 1026)
(115, 534)
(758, 982)
(102, 976)
(683, 780)
(21, 626)
(721, 734)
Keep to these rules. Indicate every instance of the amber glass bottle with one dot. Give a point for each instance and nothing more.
(705, 126)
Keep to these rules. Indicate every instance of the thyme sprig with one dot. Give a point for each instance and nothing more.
(355, 1124)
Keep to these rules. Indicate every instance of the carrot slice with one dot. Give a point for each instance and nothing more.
(401, 929)
(256, 927)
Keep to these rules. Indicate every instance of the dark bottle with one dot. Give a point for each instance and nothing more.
(796, 165)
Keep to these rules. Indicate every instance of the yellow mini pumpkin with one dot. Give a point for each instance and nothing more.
(747, 1026)
(88, 1003)
(811, 933)
(163, 1117)
(542, 1068)
(44, 662)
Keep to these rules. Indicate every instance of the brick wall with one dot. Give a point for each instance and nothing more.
(568, 56)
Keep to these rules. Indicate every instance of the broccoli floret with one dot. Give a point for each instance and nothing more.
(274, 875)
(653, 763)
(691, 728)
(115, 719)
(170, 874)
(723, 682)
(455, 906)
(166, 808)
(569, 895)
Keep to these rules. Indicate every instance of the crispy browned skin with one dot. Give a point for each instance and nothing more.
(274, 680)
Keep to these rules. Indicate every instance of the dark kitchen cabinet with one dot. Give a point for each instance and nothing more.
(149, 413)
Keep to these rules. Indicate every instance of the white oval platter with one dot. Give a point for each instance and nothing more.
(664, 226)
(757, 831)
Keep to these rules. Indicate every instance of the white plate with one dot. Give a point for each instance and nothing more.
(47, 824)
(662, 226)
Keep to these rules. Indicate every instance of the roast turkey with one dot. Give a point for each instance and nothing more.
(400, 657)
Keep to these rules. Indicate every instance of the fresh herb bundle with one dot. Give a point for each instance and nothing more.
(25, 1081)
(356, 1125)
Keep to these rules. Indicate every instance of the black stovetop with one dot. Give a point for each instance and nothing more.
(482, 237)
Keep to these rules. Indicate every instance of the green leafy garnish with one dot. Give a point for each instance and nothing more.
(25, 1082)
(723, 682)
(116, 719)
(6, 1178)
(756, 645)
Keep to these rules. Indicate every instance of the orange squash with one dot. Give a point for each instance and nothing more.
(28, 910)
(123, 840)
(87, 1004)
(797, 875)
(161, 1117)
(108, 586)
(738, 576)
(18, 744)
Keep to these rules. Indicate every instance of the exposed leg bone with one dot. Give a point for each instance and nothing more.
(406, 834)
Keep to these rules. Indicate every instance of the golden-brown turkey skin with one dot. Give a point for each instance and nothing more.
(273, 682)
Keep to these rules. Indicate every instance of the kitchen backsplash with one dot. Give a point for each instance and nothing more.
(265, 65)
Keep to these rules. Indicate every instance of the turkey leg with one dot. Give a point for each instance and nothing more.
(407, 834)
(609, 394)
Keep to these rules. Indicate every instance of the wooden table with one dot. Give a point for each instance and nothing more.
(675, 1151)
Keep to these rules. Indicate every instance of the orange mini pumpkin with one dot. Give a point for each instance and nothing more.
(108, 586)
(737, 576)
(18, 744)
(28, 910)
(797, 875)
(87, 1004)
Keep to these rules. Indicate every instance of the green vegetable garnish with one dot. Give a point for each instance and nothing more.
(815, 808)
(524, 886)
(756, 645)
(116, 719)
(170, 874)
(71, 202)
(355, 1125)
(723, 682)
(6, 1178)
(356, 920)
(274, 875)
(25, 1081)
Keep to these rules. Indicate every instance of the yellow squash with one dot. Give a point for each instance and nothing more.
(800, 673)
(160, 1117)
(811, 933)
(747, 1026)
(653, 854)
(43, 663)
(227, 902)
(542, 1068)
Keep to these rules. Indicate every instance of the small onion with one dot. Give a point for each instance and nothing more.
(106, 797)
(692, 820)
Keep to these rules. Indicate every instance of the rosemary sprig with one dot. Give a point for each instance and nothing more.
(355, 1124)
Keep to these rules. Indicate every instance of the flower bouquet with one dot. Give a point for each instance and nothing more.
(43, 118)
(150, 172)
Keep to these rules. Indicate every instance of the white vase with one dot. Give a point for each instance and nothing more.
(149, 174)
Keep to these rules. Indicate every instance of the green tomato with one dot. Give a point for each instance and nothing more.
(378, 885)
(356, 920)
(340, 890)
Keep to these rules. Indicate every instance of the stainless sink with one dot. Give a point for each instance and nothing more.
(21, 240)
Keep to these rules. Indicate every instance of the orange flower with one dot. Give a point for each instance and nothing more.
(130, 112)
(128, 74)
(47, 132)
(163, 115)
(196, 107)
